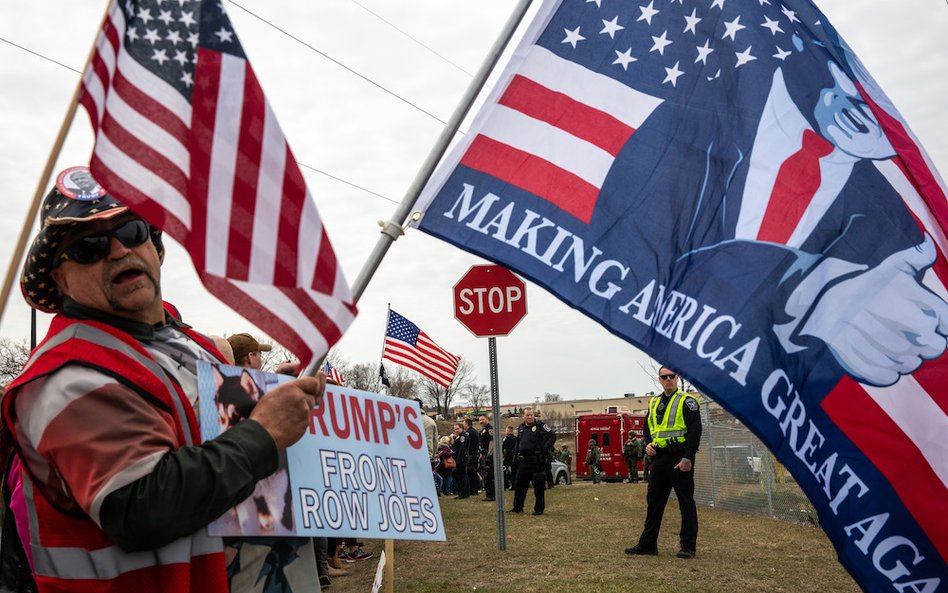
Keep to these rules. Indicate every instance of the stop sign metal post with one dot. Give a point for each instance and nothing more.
(490, 301)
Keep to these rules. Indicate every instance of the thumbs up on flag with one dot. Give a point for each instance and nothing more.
(883, 322)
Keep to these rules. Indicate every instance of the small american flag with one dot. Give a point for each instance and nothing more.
(333, 374)
(186, 139)
(407, 345)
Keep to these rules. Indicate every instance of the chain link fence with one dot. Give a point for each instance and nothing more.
(735, 471)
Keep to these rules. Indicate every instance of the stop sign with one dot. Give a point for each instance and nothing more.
(490, 300)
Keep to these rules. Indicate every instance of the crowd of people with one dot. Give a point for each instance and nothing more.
(463, 462)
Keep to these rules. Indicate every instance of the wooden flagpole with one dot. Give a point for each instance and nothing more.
(37, 198)
(394, 228)
(389, 566)
(44, 180)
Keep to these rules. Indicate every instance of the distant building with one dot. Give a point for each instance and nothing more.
(573, 407)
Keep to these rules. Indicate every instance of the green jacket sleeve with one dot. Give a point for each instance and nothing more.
(189, 488)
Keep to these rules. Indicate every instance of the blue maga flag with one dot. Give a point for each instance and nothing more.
(722, 184)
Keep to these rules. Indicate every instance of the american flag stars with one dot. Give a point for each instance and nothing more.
(165, 33)
(706, 39)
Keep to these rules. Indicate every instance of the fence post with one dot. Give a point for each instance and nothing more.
(706, 418)
(765, 463)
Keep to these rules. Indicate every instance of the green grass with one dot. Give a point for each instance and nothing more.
(577, 546)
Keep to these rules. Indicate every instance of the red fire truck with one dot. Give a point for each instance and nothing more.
(609, 430)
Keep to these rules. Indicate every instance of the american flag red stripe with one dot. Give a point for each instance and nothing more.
(407, 345)
(189, 142)
(562, 111)
(914, 160)
(917, 405)
(895, 453)
(426, 359)
(556, 129)
(533, 174)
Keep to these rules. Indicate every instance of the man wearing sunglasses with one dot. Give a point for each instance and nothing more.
(116, 484)
(673, 432)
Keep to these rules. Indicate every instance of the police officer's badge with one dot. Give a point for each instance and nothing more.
(534, 429)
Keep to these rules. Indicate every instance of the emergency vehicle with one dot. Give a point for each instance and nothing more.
(609, 430)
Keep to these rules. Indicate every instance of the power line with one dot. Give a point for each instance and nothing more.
(338, 63)
(349, 183)
(406, 34)
(39, 55)
(304, 165)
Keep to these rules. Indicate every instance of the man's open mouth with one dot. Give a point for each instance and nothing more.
(129, 275)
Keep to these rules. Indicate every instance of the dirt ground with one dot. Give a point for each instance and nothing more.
(577, 546)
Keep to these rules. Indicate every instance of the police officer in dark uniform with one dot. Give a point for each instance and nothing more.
(459, 450)
(534, 440)
(473, 455)
(485, 441)
(509, 447)
(673, 433)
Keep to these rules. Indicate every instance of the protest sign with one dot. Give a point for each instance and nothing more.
(361, 469)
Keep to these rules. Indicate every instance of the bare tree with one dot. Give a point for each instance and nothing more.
(652, 371)
(13, 355)
(549, 398)
(363, 376)
(404, 383)
(439, 397)
(271, 359)
(477, 395)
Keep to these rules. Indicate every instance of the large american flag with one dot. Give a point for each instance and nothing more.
(186, 138)
(701, 146)
(407, 345)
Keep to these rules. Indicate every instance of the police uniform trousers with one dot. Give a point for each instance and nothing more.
(487, 471)
(663, 478)
(473, 478)
(462, 480)
(530, 472)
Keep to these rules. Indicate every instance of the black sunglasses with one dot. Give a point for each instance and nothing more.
(91, 248)
(666, 377)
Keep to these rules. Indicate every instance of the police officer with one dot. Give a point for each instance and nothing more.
(459, 450)
(473, 455)
(673, 432)
(509, 447)
(485, 443)
(534, 440)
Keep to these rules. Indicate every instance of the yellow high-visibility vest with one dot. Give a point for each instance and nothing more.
(663, 432)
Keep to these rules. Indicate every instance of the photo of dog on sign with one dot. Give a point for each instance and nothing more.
(268, 510)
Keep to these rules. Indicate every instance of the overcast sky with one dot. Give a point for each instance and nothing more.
(371, 121)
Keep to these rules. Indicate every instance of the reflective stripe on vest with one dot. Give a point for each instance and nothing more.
(107, 563)
(663, 433)
(94, 335)
(93, 562)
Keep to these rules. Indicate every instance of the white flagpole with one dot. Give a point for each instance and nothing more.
(394, 228)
